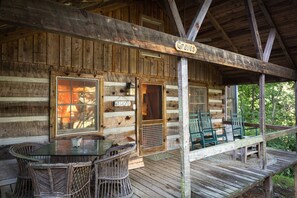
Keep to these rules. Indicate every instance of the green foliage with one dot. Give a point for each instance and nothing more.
(279, 109)
(283, 181)
(283, 143)
(279, 103)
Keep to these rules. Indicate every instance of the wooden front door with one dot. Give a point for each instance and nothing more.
(151, 115)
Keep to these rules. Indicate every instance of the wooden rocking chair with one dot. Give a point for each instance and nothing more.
(238, 128)
(206, 126)
(197, 135)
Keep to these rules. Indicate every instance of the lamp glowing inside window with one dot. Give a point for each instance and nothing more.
(77, 107)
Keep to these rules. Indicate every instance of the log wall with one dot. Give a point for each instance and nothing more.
(28, 56)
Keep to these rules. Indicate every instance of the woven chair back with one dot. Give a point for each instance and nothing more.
(112, 175)
(61, 180)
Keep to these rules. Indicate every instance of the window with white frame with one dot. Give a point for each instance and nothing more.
(197, 99)
(76, 105)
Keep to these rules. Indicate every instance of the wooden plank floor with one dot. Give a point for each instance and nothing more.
(217, 176)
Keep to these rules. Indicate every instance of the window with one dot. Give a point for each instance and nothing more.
(231, 100)
(76, 105)
(154, 24)
(197, 99)
(151, 102)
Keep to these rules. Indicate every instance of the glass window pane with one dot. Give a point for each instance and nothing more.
(64, 98)
(78, 85)
(63, 85)
(76, 105)
(90, 98)
(197, 99)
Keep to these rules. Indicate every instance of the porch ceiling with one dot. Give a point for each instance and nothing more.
(225, 27)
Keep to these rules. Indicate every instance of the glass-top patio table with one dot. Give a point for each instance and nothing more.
(61, 148)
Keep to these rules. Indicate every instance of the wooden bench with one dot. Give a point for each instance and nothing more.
(8, 172)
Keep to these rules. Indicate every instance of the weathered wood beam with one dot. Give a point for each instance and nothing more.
(277, 134)
(222, 148)
(198, 19)
(184, 126)
(268, 185)
(183, 98)
(53, 17)
(295, 180)
(177, 19)
(262, 119)
(268, 126)
(295, 90)
(254, 28)
(278, 35)
(269, 44)
(219, 28)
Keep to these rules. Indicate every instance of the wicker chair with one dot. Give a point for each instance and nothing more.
(61, 180)
(23, 187)
(112, 175)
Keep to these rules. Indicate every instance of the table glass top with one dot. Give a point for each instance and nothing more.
(64, 147)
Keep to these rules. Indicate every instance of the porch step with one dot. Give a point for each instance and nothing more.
(135, 162)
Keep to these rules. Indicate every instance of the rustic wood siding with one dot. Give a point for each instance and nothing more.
(27, 59)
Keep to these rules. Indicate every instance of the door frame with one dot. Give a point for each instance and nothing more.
(140, 122)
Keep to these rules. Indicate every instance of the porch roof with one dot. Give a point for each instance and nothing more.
(225, 28)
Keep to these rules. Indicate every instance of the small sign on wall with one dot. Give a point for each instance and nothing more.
(122, 103)
(185, 47)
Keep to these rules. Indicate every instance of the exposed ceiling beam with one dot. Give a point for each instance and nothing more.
(177, 19)
(270, 21)
(198, 19)
(254, 28)
(53, 17)
(269, 44)
(219, 28)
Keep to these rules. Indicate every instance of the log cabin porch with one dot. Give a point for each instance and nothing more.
(216, 176)
(32, 54)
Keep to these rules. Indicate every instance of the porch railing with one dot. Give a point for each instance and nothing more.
(230, 146)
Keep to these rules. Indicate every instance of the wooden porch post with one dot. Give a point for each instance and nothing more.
(226, 103)
(295, 179)
(262, 119)
(295, 122)
(184, 126)
(268, 184)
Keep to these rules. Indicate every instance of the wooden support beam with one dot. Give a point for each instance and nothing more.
(53, 17)
(268, 185)
(182, 75)
(177, 19)
(184, 126)
(295, 180)
(262, 119)
(222, 148)
(268, 126)
(270, 21)
(295, 89)
(226, 103)
(277, 134)
(254, 28)
(198, 19)
(269, 44)
(219, 28)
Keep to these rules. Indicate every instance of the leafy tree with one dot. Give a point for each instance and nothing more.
(279, 108)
